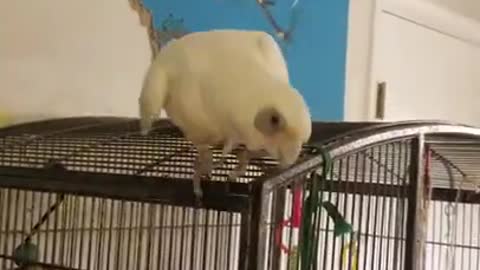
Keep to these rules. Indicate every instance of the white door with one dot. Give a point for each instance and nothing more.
(429, 60)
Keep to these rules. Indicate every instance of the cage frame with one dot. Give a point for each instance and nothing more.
(367, 135)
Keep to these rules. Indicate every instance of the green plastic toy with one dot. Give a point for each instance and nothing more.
(341, 226)
(25, 253)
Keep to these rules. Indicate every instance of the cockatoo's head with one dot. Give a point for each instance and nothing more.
(285, 125)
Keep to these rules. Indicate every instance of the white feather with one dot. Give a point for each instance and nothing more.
(212, 85)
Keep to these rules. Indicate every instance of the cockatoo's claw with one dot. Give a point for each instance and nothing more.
(197, 191)
(198, 202)
(197, 188)
(233, 175)
(241, 168)
(227, 188)
(198, 198)
(227, 149)
(204, 161)
(221, 162)
(202, 169)
(208, 167)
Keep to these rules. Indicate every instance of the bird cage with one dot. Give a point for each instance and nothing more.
(92, 193)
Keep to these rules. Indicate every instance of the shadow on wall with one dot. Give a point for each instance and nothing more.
(82, 58)
(8, 119)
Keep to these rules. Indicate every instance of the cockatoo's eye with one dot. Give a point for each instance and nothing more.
(275, 120)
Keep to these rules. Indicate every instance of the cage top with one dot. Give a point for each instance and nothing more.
(321, 131)
(111, 147)
(452, 149)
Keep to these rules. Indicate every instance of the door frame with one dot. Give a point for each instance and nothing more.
(361, 100)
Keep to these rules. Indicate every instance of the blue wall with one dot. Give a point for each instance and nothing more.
(315, 55)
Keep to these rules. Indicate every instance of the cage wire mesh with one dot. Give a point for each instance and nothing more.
(85, 232)
(363, 220)
(373, 202)
(453, 228)
(112, 222)
(368, 189)
(96, 233)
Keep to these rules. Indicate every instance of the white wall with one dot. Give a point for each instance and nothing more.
(70, 57)
(360, 36)
(422, 66)
(358, 100)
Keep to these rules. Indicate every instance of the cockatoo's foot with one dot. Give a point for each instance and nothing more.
(204, 162)
(197, 189)
(199, 199)
(146, 125)
(244, 156)
(198, 202)
(202, 167)
(241, 168)
(227, 149)
(221, 161)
